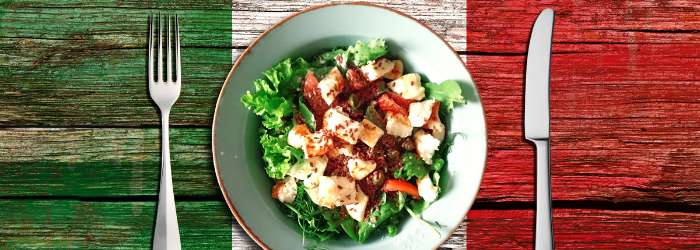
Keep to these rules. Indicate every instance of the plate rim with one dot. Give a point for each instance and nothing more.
(240, 220)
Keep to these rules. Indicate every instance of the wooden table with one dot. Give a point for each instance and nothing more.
(625, 104)
(80, 136)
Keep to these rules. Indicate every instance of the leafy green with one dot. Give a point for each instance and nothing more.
(359, 54)
(273, 96)
(373, 116)
(278, 155)
(388, 211)
(309, 117)
(412, 166)
(447, 93)
(318, 223)
(362, 53)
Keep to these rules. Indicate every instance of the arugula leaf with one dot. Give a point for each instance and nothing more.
(388, 211)
(446, 93)
(413, 165)
(373, 116)
(278, 155)
(362, 53)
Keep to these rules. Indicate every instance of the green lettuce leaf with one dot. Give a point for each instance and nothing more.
(362, 53)
(447, 93)
(278, 155)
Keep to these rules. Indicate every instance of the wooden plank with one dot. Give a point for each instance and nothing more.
(624, 113)
(108, 225)
(446, 18)
(104, 162)
(585, 229)
(81, 65)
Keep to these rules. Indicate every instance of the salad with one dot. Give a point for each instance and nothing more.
(351, 141)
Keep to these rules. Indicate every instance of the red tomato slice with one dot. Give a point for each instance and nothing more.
(401, 186)
(311, 82)
(404, 103)
(388, 105)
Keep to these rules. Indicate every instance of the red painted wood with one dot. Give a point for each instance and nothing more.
(625, 99)
(585, 229)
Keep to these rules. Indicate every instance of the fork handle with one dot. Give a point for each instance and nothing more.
(544, 236)
(167, 234)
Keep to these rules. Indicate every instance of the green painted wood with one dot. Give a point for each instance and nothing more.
(54, 224)
(84, 64)
(104, 162)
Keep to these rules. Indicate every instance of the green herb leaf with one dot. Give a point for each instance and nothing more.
(309, 117)
(318, 223)
(413, 165)
(447, 93)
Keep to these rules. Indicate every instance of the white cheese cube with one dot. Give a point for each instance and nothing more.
(426, 145)
(317, 144)
(419, 112)
(426, 188)
(331, 85)
(370, 133)
(296, 136)
(396, 72)
(438, 130)
(336, 191)
(338, 150)
(357, 211)
(342, 126)
(359, 168)
(285, 190)
(376, 69)
(398, 125)
(313, 193)
(408, 86)
(309, 170)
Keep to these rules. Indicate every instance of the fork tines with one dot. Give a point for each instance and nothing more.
(169, 69)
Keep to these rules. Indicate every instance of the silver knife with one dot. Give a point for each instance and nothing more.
(537, 121)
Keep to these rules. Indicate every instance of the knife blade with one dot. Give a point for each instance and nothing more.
(537, 121)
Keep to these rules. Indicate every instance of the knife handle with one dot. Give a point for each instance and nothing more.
(544, 236)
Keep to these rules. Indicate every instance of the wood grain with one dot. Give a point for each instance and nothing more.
(108, 225)
(585, 229)
(624, 101)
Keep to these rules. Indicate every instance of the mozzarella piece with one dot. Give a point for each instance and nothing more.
(357, 211)
(317, 144)
(408, 86)
(336, 191)
(376, 69)
(426, 145)
(396, 72)
(359, 168)
(331, 85)
(426, 188)
(398, 125)
(342, 126)
(370, 133)
(313, 193)
(296, 136)
(309, 170)
(285, 190)
(419, 112)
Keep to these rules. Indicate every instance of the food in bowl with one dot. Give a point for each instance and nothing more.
(351, 141)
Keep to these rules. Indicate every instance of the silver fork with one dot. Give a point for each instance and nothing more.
(164, 94)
